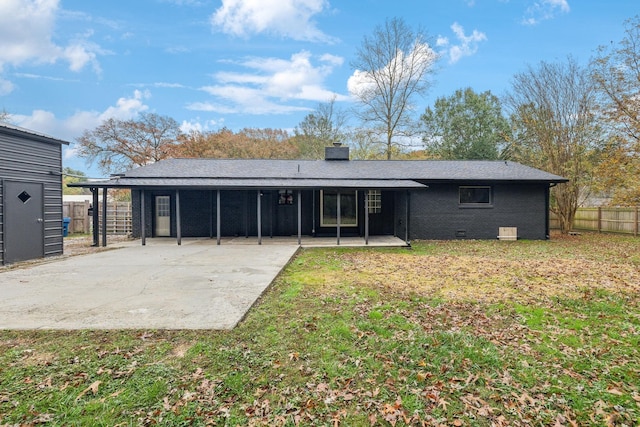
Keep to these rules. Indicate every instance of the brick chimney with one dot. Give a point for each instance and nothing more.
(337, 152)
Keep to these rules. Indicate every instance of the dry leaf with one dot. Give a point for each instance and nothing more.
(93, 388)
(615, 391)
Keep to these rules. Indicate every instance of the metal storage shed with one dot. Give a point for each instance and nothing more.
(30, 195)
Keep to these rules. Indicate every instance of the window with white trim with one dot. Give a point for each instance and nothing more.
(374, 201)
(329, 208)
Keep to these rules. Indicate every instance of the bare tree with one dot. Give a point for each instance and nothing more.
(555, 129)
(321, 128)
(118, 145)
(4, 116)
(616, 71)
(392, 67)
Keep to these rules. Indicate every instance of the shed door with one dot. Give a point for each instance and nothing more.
(163, 216)
(24, 223)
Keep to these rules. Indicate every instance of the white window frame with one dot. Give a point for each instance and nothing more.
(374, 201)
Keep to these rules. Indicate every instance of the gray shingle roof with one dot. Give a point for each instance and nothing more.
(11, 128)
(323, 173)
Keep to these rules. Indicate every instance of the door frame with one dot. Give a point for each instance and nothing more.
(8, 236)
(156, 228)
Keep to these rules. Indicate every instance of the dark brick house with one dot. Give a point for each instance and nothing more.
(336, 197)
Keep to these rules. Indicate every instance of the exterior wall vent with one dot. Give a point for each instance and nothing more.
(337, 152)
(508, 233)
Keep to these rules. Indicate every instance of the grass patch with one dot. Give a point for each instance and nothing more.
(448, 333)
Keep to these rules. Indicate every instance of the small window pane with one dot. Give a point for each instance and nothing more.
(348, 209)
(24, 197)
(475, 195)
(374, 201)
(163, 206)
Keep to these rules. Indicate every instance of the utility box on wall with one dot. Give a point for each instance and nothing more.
(508, 233)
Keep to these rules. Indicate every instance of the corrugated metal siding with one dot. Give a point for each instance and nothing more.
(31, 158)
(1, 222)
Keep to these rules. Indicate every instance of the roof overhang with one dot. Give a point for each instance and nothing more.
(251, 183)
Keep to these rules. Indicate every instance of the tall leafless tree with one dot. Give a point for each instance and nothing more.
(118, 145)
(555, 128)
(319, 129)
(392, 67)
(616, 71)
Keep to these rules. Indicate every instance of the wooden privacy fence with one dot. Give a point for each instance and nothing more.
(118, 217)
(613, 220)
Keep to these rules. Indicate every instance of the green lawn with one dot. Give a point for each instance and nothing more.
(447, 333)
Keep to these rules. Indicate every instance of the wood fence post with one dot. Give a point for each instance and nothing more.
(635, 225)
(599, 219)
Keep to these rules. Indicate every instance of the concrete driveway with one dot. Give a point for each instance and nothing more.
(197, 285)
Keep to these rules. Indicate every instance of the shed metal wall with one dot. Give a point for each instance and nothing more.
(31, 158)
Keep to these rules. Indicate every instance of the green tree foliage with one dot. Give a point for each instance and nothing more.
(70, 176)
(555, 129)
(616, 71)
(319, 129)
(465, 126)
(392, 67)
(118, 145)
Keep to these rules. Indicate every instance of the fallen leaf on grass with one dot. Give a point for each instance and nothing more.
(613, 390)
(93, 388)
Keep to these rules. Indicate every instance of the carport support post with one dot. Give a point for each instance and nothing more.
(218, 217)
(104, 216)
(299, 217)
(338, 218)
(178, 221)
(366, 217)
(259, 217)
(406, 219)
(95, 219)
(143, 223)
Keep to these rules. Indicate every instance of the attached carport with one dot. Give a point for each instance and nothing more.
(255, 186)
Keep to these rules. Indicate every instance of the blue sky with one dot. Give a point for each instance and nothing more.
(66, 65)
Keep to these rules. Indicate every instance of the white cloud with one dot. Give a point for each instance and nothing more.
(271, 83)
(195, 125)
(285, 18)
(466, 45)
(6, 87)
(72, 127)
(127, 108)
(26, 31)
(362, 82)
(543, 10)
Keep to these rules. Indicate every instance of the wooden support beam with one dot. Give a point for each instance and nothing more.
(218, 223)
(299, 217)
(104, 216)
(95, 217)
(259, 217)
(338, 219)
(143, 223)
(366, 216)
(178, 219)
